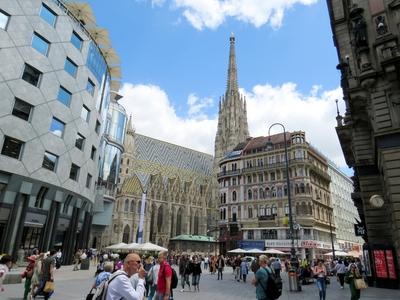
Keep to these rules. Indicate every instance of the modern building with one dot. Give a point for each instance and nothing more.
(164, 191)
(344, 212)
(254, 206)
(55, 89)
(366, 35)
(193, 244)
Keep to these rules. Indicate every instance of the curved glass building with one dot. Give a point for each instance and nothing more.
(55, 82)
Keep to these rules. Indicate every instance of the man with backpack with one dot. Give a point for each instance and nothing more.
(120, 287)
(268, 287)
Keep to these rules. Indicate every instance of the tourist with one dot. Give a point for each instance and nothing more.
(196, 271)
(184, 272)
(77, 260)
(164, 278)
(103, 276)
(260, 279)
(276, 266)
(320, 274)
(120, 286)
(352, 275)
(154, 276)
(5, 266)
(47, 274)
(244, 269)
(220, 264)
(340, 272)
(206, 260)
(28, 273)
(37, 270)
(237, 263)
(147, 265)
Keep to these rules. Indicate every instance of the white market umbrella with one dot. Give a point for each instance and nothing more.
(238, 250)
(255, 251)
(116, 246)
(131, 246)
(151, 247)
(274, 251)
(337, 253)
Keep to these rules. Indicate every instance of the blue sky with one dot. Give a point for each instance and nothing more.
(174, 57)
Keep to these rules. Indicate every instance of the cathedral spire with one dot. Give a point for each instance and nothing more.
(232, 82)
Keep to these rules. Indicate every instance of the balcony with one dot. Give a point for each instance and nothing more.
(266, 218)
(229, 173)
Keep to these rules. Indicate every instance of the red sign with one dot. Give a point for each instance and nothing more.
(390, 264)
(380, 264)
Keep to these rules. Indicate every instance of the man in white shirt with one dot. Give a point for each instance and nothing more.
(121, 287)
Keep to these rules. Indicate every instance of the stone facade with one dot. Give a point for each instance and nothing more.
(254, 197)
(366, 36)
(173, 181)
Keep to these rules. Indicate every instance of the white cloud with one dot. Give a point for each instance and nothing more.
(314, 112)
(212, 13)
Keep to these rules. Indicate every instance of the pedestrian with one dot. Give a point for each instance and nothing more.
(77, 260)
(340, 272)
(276, 266)
(351, 276)
(260, 279)
(195, 267)
(37, 270)
(154, 276)
(244, 269)
(120, 286)
(220, 265)
(320, 274)
(28, 273)
(237, 263)
(47, 275)
(5, 266)
(164, 278)
(148, 264)
(184, 272)
(105, 275)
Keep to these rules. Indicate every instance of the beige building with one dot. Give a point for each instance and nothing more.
(254, 205)
(366, 35)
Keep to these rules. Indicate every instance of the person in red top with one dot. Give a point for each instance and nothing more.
(164, 277)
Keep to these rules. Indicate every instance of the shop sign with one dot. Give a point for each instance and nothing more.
(278, 243)
(310, 244)
(390, 264)
(359, 230)
(380, 264)
(246, 244)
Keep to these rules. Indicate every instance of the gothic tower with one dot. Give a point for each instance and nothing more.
(232, 117)
(127, 158)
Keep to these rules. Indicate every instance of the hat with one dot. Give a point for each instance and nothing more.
(32, 258)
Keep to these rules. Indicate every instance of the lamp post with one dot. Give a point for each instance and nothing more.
(330, 228)
(293, 259)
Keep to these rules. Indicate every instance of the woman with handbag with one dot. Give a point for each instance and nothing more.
(356, 282)
(320, 273)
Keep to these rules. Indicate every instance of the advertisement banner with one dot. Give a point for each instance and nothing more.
(246, 245)
(367, 264)
(390, 264)
(380, 264)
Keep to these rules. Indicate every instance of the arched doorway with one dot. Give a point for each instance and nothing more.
(125, 236)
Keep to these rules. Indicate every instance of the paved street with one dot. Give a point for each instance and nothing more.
(75, 285)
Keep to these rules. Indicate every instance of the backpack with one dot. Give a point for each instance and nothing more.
(274, 286)
(58, 263)
(174, 279)
(101, 291)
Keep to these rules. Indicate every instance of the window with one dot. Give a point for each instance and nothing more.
(4, 17)
(97, 128)
(31, 75)
(250, 212)
(250, 235)
(22, 109)
(249, 195)
(49, 161)
(40, 44)
(48, 15)
(64, 96)
(90, 87)
(234, 196)
(70, 67)
(41, 195)
(85, 113)
(74, 172)
(76, 40)
(67, 202)
(12, 147)
(80, 141)
(286, 209)
(274, 210)
(88, 180)
(93, 153)
(57, 127)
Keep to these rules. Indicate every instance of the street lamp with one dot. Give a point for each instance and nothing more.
(330, 228)
(293, 259)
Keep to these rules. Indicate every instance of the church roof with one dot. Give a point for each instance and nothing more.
(167, 155)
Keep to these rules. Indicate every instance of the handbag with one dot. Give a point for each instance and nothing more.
(91, 294)
(360, 284)
(48, 287)
(327, 280)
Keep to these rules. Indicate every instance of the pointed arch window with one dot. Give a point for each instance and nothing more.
(234, 196)
(262, 210)
(132, 210)
(125, 235)
(286, 209)
(249, 194)
(179, 222)
(126, 207)
(250, 212)
(268, 211)
(160, 218)
(274, 210)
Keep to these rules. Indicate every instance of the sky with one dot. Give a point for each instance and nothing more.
(174, 61)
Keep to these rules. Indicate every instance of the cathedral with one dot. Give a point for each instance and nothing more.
(166, 190)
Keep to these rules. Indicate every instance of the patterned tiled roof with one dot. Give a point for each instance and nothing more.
(154, 156)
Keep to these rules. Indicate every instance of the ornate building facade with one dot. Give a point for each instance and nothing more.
(366, 35)
(254, 205)
(169, 186)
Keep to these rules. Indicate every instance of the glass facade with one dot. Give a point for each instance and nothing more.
(48, 15)
(111, 162)
(116, 122)
(95, 62)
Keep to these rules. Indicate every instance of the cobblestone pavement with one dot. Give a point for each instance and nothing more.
(75, 285)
